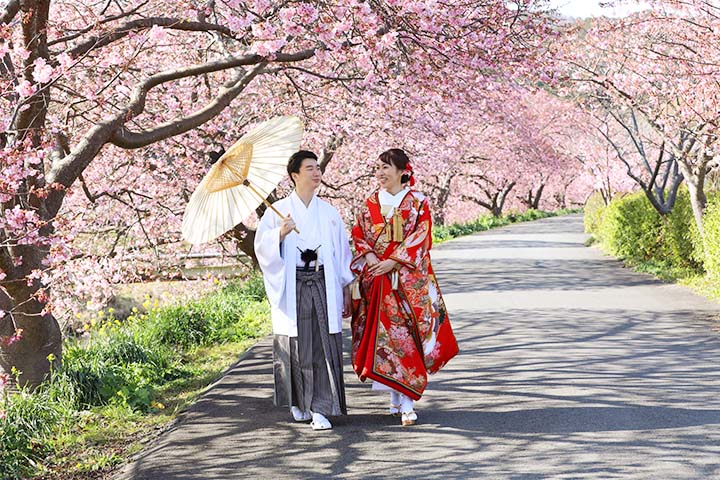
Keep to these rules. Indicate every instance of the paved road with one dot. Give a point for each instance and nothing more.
(571, 367)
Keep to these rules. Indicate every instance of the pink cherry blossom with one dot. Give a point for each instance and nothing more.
(157, 34)
(25, 88)
(42, 73)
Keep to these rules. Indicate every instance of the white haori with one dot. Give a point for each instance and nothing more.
(319, 223)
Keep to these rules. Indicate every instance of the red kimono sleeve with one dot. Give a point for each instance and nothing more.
(361, 241)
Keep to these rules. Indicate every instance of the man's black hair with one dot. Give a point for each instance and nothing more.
(296, 160)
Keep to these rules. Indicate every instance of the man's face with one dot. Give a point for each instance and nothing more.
(309, 175)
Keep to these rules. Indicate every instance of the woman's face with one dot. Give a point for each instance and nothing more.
(388, 175)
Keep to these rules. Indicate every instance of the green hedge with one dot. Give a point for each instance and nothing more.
(632, 229)
(594, 210)
(683, 246)
(712, 238)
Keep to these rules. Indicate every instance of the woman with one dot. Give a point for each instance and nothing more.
(400, 329)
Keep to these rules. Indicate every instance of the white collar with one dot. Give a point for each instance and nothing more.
(298, 202)
(387, 198)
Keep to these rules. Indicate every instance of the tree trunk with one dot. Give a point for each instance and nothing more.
(698, 200)
(443, 189)
(538, 196)
(695, 179)
(41, 336)
(498, 200)
(533, 198)
(24, 301)
(245, 240)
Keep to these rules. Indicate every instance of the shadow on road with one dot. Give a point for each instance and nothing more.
(509, 274)
(601, 391)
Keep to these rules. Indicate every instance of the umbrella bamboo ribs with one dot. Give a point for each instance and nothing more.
(241, 179)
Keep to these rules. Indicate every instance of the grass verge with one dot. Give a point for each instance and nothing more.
(125, 383)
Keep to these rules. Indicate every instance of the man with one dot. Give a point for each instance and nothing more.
(307, 277)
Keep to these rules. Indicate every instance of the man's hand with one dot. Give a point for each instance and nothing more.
(286, 227)
(382, 268)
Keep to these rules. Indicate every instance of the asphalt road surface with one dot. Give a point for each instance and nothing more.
(571, 367)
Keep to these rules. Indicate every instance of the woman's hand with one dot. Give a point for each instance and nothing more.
(371, 259)
(382, 268)
(286, 227)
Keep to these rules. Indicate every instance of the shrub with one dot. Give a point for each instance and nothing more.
(632, 229)
(594, 211)
(122, 364)
(252, 288)
(711, 225)
(178, 326)
(680, 235)
(118, 365)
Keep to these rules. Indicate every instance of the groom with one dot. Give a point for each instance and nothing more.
(307, 277)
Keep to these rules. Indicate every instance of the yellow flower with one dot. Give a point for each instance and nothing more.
(51, 358)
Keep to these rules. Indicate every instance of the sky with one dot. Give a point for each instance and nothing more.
(589, 8)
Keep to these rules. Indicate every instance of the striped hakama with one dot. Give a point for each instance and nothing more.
(308, 369)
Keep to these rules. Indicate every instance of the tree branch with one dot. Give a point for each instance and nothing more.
(67, 170)
(89, 28)
(144, 23)
(11, 9)
(125, 138)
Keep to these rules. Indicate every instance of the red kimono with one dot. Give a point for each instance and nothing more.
(400, 327)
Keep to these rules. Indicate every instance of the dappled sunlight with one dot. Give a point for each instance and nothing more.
(598, 390)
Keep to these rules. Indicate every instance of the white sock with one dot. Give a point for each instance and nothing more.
(406, 404)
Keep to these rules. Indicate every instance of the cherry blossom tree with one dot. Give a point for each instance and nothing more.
(111, 107)
(655, 74)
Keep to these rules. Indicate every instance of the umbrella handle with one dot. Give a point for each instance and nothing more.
(279, 214)
(270, 206)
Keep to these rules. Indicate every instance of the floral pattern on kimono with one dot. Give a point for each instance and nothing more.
(400, 333)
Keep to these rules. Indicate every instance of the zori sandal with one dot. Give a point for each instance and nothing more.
(409, 418)
(299, 415)
(320, 422)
